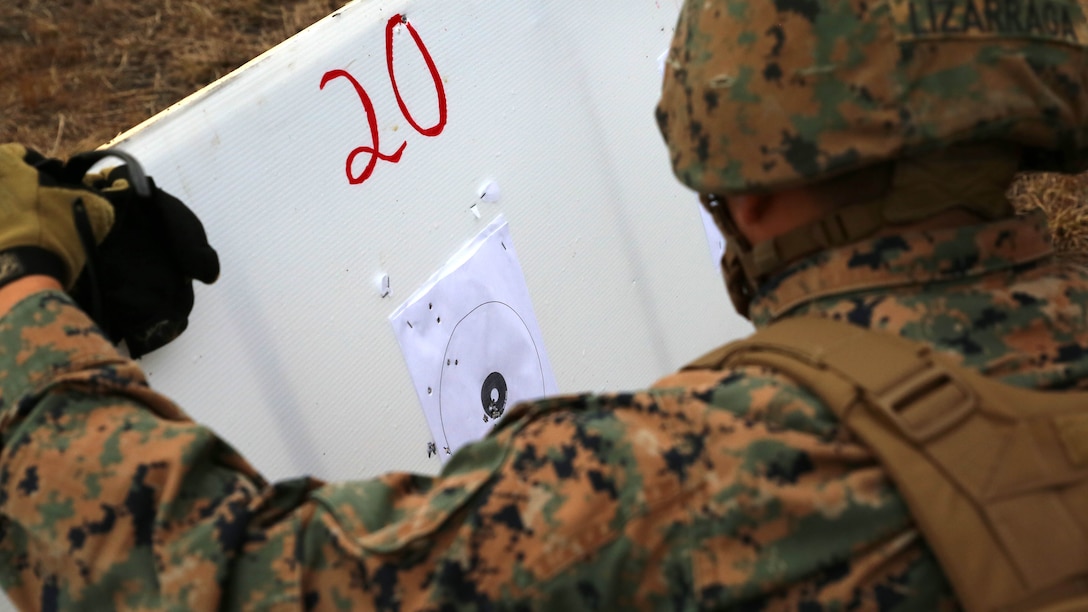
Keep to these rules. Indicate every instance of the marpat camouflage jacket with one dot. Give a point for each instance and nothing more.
(712, 489)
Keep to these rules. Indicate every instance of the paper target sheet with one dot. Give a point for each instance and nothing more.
(471, 341)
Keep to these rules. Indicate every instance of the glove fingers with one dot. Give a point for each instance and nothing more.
(149, 317)
(147, 308)
(182, 230)
(187, 239)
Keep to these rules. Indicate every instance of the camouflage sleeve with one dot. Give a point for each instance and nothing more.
(110, 495)
(726, 488)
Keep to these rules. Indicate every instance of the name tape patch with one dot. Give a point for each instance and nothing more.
(1055, 20)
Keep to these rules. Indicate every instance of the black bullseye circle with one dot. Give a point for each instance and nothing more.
(491, 362)
(493, 395)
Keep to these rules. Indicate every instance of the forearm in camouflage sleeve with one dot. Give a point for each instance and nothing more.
(111, 497)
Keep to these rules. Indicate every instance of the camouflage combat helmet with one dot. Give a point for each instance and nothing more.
(776, 93)
(771, 94)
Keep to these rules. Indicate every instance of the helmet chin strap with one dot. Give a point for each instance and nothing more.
(972, 178)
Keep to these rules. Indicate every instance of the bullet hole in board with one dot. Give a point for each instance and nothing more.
(490, 192)
(429, 390)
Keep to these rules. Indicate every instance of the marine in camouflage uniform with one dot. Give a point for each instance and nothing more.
(713, 488)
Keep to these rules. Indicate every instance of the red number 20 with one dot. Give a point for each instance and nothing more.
(368, 106)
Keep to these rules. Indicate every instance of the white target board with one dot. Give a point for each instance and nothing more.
(341, 170)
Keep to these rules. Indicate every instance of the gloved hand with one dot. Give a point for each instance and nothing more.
(38, 232)
(144, 269)
(145, 247)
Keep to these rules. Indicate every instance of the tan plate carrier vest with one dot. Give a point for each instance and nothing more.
(995, 476)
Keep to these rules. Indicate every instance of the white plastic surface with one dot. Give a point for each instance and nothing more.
(290, 356)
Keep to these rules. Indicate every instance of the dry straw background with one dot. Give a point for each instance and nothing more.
(75, 73)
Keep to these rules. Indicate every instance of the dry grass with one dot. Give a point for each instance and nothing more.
(74, 73)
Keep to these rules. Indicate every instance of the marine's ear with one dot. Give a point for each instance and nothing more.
(750, 213)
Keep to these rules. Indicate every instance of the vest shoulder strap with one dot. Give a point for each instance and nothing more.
(996, 476)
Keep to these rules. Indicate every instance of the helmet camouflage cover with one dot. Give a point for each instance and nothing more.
(764, 94)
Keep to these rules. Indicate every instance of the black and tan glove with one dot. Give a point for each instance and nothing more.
(144, 269)
(127, 251)
(38, 212)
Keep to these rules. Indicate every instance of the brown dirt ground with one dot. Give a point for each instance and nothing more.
(75, 73)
